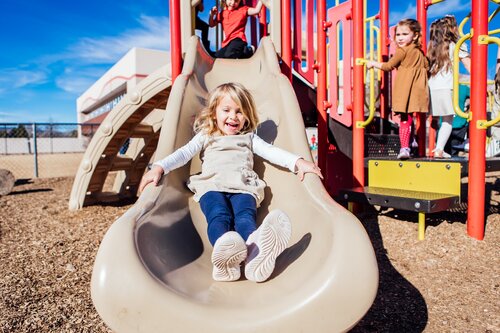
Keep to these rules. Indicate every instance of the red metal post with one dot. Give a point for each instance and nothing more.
(286, 36)
(175, 38)
(384, 51)
(358, 144)
(420, 123)
(263, 22)
(477, 163)
(321, 89)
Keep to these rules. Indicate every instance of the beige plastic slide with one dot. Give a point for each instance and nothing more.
(153, 272)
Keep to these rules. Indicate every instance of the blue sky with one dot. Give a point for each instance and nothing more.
(54, 50)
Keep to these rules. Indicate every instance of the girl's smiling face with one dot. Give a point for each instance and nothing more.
(232, 4)
(229, 117)
(404, 36)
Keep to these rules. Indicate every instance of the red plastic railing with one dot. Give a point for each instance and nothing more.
(339, 18)
(304, 54)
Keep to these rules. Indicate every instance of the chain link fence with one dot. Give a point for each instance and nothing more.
(43, 149)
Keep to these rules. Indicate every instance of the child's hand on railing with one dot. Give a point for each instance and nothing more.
(266, 3)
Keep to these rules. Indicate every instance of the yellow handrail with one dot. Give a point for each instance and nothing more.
(461, 25)
(363, 124)
(494, 32)
(494, 13)
(456, 66)
(379, 49)
(483, 124)
(371, 107)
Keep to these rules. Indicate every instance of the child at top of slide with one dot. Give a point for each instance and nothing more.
(233, 18)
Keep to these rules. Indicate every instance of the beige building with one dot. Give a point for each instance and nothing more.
(95, 103)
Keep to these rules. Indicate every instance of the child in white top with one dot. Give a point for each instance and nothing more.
(442, 38)
(228, 189)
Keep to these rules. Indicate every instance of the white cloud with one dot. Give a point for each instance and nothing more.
(13, 78)
(74, 84)
(20, 116)
(87, 59)
(77, 80)
(437, 10)
(448, 7)
(7, 116)
(152, 33)
(410, 11)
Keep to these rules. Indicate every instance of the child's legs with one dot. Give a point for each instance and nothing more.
(217, 210)
(444, 132)
(405, 129)
(245, 213)
(203, 27)
(234, 50)
(457, 138)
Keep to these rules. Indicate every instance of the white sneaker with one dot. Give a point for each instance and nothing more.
(404, 154)
(265, 244)
(438, 153)
(229, 252)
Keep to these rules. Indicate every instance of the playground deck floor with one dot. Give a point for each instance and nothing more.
(447, 283)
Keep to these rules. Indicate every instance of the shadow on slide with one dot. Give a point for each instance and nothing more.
(153, 272)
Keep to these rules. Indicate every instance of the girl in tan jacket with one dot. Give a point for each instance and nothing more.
(410, 92)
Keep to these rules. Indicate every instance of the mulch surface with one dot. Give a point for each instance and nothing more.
(449, 282)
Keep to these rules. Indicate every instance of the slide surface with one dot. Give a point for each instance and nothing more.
(153, 272)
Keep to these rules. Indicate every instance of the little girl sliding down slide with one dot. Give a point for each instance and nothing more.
(228, 190)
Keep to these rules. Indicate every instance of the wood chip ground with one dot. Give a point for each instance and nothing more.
(447, 283)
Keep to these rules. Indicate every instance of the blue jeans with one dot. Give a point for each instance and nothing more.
(229, 211)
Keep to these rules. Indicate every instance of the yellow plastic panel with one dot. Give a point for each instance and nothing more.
(436, 177)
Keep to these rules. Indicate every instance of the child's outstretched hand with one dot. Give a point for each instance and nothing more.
(302, 166)
(152, 176)
(370, 64)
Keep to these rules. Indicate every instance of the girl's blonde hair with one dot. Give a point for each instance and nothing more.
(442, 32)
(206, 120)
(414, 27)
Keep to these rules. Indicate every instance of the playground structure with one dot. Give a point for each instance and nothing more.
(158, 249)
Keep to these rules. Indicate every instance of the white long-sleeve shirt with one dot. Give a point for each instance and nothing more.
(228, 163)
(263, 149)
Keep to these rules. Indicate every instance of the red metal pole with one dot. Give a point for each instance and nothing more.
(477, 163)
(263, 22)
(358, 144)
(175, 38)
(321, 89)
(384, 51)
(286, 33)
(420, 124)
